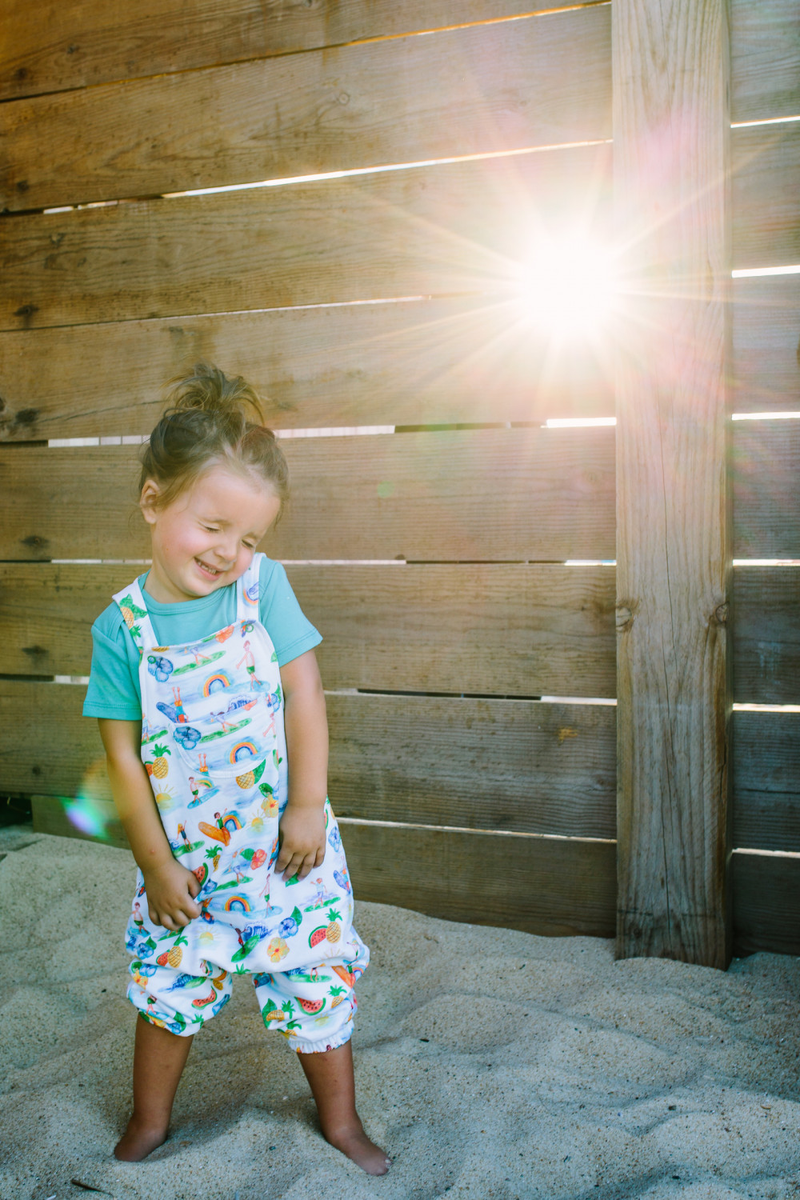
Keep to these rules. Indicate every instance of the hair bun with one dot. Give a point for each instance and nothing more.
(209, 390)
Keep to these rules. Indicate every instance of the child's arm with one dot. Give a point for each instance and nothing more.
(170, 887)
(302, 827)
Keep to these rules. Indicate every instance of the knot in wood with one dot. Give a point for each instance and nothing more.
(624, 618)
(721, 614)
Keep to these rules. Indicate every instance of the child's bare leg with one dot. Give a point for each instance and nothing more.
(330, 1075)
(158, 1062)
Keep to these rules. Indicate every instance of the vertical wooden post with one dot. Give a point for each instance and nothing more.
(671, 136)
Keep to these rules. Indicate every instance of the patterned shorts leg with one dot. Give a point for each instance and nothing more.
(177, 1001)
(313, 1007)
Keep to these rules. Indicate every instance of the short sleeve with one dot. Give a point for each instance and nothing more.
(113, 690)
(288, 627)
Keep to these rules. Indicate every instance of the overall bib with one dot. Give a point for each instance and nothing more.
(213, 745)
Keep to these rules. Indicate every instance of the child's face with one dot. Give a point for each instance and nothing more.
(207, 537)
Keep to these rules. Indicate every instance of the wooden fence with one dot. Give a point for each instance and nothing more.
(437, 557)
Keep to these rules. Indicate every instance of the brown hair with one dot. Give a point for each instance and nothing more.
(205, 424)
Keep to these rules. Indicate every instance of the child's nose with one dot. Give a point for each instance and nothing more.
(226, 547)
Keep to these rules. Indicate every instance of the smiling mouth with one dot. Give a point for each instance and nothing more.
(212, 571)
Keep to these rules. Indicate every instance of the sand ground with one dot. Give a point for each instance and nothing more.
(490, 1064)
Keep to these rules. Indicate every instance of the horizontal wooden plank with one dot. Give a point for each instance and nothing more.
(766, 198)
(499, 629)
(765, 59)
(766, 333)
(766, 903)
(423, 362)
(554, 887)
(90, 44)
(396, 101)
(766, 780)
(510, 630)
(766, 635)
(766, 489)
(445, 229)
(520, 494)
(478, 764)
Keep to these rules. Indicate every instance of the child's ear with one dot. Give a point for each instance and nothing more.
(148, 500)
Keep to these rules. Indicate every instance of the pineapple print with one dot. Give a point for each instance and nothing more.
(279, 1014)
(334, 931)
(130, 613)
(214, 854)
(159, 766)
(337, 995)
(174, 956)
(251, 778)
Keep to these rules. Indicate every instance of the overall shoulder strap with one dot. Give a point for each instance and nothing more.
(247, 591)
(131, 604)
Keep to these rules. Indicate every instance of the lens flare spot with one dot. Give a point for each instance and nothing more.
(92, 811)
(568, 285)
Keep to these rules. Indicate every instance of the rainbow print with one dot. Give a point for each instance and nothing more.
(243, 750)
(215, 683)
(231, 822)
(237, 904)
(251, 594)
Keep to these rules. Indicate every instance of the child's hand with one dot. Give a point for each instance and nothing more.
(302, 834)
(171, 890)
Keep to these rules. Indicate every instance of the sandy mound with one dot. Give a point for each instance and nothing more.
(489, 1063)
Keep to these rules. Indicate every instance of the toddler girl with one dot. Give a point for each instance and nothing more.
(212, 716)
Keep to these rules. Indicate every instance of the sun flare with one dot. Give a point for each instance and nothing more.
(569, 286)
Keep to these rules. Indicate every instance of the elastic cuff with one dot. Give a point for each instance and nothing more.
(342, 1038)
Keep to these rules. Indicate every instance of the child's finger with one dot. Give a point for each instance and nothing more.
(307, 864)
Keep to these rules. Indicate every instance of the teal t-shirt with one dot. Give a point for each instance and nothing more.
(114, 691)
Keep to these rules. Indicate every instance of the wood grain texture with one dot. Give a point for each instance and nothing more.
(766, 780)
(766, 635)
(408, 363)
(670, 161)
(766, 336)
(766, 489)
(446, 229)
(766, 198)
(508, 630)
(766, 903)
(480, 764)
(523, 630)
(552, 887)
(479, 90)
(765, 59)
(70, 46)
(494, 495)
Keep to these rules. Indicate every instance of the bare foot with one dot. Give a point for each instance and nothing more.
(138, 1141)
(356, 1145)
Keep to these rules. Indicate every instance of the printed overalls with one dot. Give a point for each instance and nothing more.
(213, 745)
